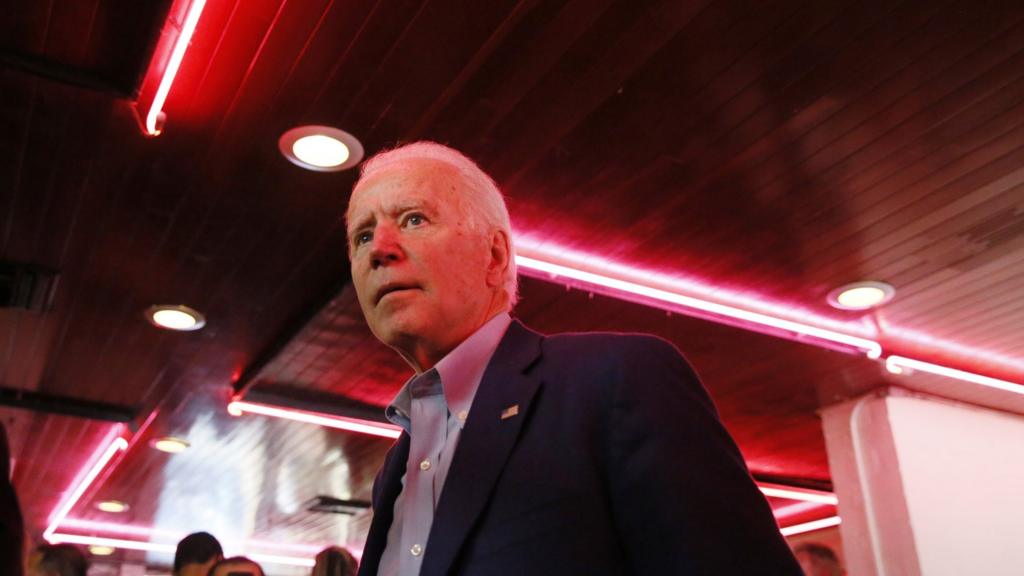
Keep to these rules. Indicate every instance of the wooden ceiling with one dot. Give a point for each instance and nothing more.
(764, 151)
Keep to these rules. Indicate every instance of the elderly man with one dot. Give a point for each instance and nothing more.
(526, 454)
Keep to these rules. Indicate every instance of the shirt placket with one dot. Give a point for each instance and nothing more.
(428, 419)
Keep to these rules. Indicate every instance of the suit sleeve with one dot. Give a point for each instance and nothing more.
(682, 498)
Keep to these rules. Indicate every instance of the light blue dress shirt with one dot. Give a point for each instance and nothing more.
(432, 407)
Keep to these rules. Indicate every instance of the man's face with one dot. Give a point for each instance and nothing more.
(426, 279)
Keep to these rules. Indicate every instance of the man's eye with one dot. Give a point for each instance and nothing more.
(363, 238)
(415, 220)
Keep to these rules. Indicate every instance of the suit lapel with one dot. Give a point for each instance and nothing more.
(501, 405)
(390, 484)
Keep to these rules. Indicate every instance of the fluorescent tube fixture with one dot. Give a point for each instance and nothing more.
(98, 463)
(678, 302)
(320, 419)
(897, 364)
(811, 526)
(179, 32)
(792, 493)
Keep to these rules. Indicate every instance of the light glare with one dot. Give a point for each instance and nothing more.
(112, 506)
(171, 445)
(863, 297)
(99, 550)
(320, 150)
(174, 319)
(181, 318)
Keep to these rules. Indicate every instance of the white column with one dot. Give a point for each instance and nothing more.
(927, 486)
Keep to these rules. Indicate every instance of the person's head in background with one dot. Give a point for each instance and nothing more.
(58, 560)
(334, 561)
(817, 560)
(236, 566)
(196, 553)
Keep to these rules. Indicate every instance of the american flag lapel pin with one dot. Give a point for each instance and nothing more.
(510, 412)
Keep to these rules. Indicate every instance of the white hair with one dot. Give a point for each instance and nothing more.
(484, 205)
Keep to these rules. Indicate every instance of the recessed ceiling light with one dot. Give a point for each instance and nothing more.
(175, 317)
(97, 550)
(112, 506)
(170, 444)
(320, 148)
(861, 295)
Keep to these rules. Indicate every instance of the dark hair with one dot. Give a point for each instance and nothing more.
(197, 548)
(334, 561)
(62, 560)
(235, 560)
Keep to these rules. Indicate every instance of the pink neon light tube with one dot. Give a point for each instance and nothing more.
(803, 494)
(895, 363)
(195, 10)
(330, 421)
(167, 548)
(811, 526)
(114, 529)
(871, 348)
(117, 445)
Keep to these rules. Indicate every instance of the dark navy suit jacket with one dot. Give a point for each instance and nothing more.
(616, 463)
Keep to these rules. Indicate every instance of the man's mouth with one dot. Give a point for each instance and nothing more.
(392, 288)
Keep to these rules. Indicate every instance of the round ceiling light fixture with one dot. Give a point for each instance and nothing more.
(112, 506)
(171, 444)
(861, 295)
(97, 550)
(175, 317)
(320, 148)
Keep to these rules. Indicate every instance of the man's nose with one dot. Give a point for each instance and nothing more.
(385, 247)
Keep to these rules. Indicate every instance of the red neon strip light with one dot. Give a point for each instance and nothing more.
(678, 301)
(99, 463)
(166, 548)
(114, 542)
(114, 529)
(330, 421)
(811, 526)
(802, 494)
(647, 293)
(895, 364)
(153, 123)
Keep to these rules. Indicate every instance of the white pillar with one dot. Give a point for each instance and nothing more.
(927, 486)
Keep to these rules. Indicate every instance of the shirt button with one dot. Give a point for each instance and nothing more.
(425, 465)
(463, 415)
(416, 550)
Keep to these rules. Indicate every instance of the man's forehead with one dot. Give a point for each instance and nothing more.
(414, 182)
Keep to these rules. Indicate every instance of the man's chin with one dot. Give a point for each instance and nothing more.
(398, 335)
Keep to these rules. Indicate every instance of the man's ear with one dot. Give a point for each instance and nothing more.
(501, 252)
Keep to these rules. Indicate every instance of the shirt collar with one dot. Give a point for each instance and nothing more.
(460, 371)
